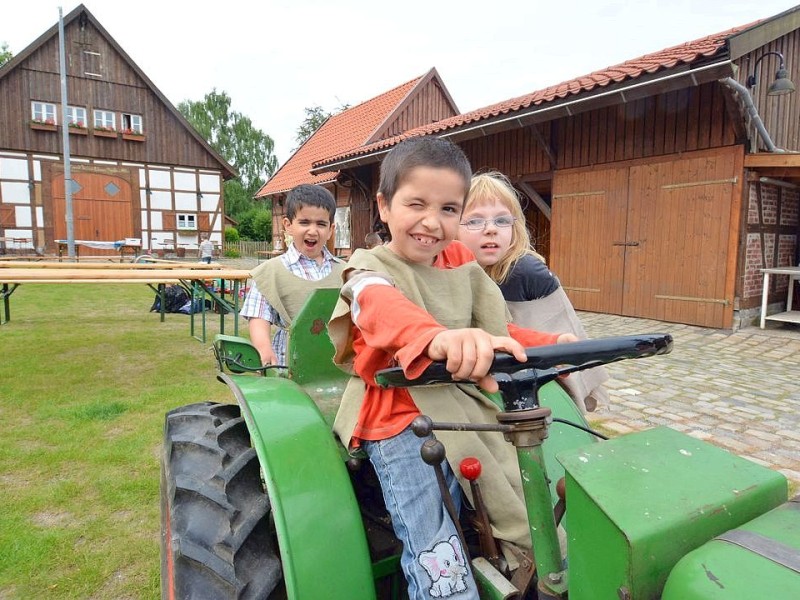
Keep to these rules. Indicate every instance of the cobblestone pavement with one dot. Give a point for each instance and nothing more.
(738, 390)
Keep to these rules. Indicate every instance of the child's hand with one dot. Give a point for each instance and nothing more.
(566, 338)
(268, 356)
(470, 352)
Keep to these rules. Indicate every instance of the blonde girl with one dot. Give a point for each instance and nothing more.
(493, 228)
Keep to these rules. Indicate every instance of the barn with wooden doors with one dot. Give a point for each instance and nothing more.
(139, 170)
(417, 102)
(659, 187)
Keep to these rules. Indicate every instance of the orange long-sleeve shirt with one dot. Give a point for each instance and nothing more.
(392, 328)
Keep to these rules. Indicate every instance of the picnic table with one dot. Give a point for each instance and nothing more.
(124, 247)
(199, 281)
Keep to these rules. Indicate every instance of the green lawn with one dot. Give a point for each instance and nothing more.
(86, 375)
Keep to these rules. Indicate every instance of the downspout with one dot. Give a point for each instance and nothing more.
(755, 118)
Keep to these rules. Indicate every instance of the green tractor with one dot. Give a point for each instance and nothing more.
(259, 500)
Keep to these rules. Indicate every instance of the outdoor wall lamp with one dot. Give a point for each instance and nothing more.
(781, 85)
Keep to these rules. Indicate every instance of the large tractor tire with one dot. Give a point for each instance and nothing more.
(217, 539)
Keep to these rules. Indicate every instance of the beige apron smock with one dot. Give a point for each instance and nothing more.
(555, 314)
(285, 291)
(456, 298)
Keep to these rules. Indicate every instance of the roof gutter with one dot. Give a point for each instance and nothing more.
(563, 108)
(747, 100)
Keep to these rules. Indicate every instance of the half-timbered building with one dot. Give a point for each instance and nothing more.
(139, 171)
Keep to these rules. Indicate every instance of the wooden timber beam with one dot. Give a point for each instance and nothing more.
(771, 160)
(535, 198)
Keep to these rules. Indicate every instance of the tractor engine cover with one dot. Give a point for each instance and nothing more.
(638, 503)
(760, 559)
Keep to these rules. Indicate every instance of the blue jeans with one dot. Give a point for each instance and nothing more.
(433, 561)
(206, 259)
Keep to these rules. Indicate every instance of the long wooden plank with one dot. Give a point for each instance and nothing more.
(16, 264)
(116, 275)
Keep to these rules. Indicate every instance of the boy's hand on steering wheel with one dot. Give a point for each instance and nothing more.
(469, 354)
(566, 338)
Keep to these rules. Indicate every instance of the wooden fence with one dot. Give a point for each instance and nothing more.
(245, 248)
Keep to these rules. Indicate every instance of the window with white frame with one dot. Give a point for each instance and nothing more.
(187, 221)
(132, 123)
(76, 115)
(43, 112)
(105, 119)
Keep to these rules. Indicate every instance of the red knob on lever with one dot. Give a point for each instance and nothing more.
(470, 468)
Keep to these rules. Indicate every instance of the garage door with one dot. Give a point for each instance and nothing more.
(101, 208)
(653, 240)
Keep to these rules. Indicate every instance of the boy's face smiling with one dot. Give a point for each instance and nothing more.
(425, 212)
(310, 229)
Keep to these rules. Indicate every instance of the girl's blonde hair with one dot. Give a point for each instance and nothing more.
(493, 186)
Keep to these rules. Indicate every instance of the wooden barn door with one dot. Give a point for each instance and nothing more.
(589, 212)
(680, 214)
(101, 209)
(653, 240)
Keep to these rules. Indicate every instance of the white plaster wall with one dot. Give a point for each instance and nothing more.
(185, 202)
(144, 220)
(13, 168)
(15, 192)
(209, 183)
(155, 220)
(23, 216)
(209, 202)
(159, 179)
(185, 181)
(161, 200)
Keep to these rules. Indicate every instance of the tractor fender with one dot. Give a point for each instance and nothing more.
(320, 533)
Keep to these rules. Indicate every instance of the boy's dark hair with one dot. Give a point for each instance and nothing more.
(307, 194)
(427, 151)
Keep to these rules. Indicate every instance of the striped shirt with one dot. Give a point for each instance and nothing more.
(256, 306)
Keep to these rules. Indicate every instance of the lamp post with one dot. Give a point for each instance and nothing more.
(782, 84)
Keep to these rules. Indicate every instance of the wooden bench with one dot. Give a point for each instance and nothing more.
(197, 281)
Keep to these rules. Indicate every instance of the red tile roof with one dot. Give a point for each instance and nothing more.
(347, 129)
(685, 53)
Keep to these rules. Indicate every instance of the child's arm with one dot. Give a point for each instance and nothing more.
(391, 322)
(261, 338)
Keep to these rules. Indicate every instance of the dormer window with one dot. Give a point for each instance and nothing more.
(132, 123)
(43, 112)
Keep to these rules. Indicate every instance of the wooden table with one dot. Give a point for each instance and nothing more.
(789, 315)
(123, 249)
(198, 281)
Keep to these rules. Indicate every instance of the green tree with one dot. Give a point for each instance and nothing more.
(5, 53)
(233, 136)
(315, 117)
(256, 224)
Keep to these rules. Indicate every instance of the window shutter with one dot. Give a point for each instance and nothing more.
(203, 222)
(168, 221)
(7, 216)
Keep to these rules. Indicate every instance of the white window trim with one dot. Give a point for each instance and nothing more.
(104, 114)
(132, 122)
(46, 111)
(190, 221)
(77, 114)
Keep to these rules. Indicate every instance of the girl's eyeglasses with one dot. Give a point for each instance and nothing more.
(478, 224)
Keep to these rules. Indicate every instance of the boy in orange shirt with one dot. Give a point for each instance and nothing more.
(417, 299)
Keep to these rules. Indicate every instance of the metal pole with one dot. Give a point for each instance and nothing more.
(65, 138)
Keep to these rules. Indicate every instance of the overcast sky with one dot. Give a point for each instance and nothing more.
(276, 57)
